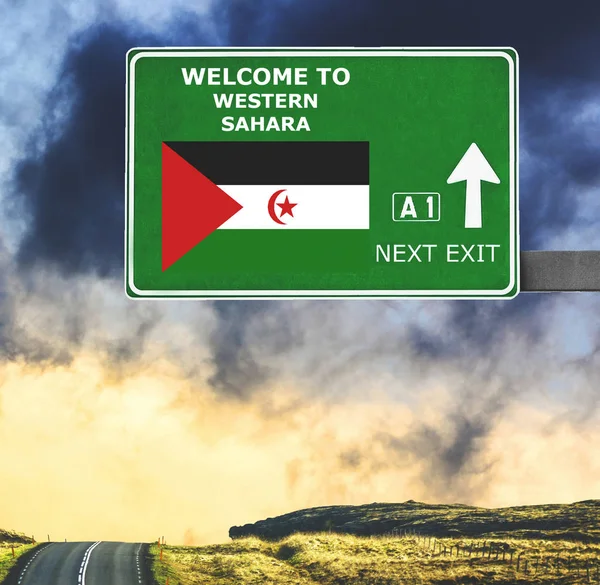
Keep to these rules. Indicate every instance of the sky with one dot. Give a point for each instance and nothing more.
(125, 420)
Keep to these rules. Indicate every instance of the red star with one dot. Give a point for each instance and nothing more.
(286, 207)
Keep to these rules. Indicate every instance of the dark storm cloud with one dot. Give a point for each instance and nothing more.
(557, 47)
(246, 336)
(473, 328)
(474, 335)
(236, 371)
(452, 453)
(72, 188)
(71, 179)
(449, 452)
(72, 185)
(554, 39)
(563, 159)
(557, 43)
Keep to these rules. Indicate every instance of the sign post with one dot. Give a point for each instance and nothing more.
(319, 173)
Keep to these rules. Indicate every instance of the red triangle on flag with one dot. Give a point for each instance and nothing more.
(192, 207)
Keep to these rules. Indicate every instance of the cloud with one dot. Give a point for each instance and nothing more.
(73, 189)
(553, 42)
(560, 170)
(302, 403)
(31, 69)
(172, 459)
(69, 180)
(237, 371)
(557, 50)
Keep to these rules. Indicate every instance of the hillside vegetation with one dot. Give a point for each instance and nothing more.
(9, 542)
(579, 521)
(408, 543)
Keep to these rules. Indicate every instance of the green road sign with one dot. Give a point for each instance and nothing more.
(286, 173)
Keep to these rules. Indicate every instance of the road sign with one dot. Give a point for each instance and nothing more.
(288, 173)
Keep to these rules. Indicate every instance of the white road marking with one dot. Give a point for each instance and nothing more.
(31, 561)
(137, 560)
(85, 561)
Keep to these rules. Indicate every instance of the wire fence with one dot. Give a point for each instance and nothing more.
(548, 563)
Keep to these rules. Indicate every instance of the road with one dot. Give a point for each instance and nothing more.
(84, 563)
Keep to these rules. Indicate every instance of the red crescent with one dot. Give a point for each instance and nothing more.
(271, 207)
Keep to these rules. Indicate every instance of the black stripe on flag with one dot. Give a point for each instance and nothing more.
(273, 163)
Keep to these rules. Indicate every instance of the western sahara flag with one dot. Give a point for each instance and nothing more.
(260, 186)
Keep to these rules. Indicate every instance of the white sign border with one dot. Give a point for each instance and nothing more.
(327, 52)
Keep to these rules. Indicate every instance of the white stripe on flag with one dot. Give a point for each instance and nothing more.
(324, 207)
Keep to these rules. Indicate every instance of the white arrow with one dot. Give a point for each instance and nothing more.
(473, 168)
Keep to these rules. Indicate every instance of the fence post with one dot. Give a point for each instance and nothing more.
(13, 550)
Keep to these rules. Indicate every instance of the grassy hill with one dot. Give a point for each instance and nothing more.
(10, 541)
(579, 521)
(409, 543)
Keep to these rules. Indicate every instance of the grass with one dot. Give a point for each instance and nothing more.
(354, 545)
(9, 541)
(336, 559)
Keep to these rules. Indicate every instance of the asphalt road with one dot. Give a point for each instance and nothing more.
(85, 563)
